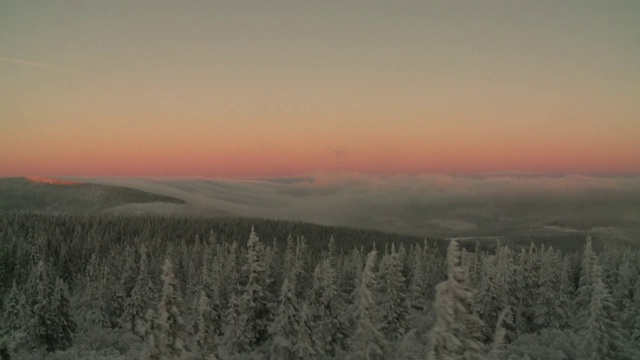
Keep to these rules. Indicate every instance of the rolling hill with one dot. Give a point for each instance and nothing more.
(49, 195)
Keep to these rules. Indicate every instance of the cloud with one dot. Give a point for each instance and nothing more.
(425, 204)
(41, 65)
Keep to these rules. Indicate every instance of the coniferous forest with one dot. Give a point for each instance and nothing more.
(140, 287)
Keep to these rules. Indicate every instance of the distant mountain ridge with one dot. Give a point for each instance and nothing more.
(51, 195)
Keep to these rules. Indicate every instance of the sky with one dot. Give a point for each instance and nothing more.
(278, 88)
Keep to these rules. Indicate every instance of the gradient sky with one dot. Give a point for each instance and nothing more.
(274, 88)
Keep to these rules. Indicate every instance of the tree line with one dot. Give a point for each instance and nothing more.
(89, 287)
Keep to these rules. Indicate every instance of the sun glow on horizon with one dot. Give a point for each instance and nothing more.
(50, 181)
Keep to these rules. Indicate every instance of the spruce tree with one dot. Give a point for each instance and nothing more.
(589, 259)
(93, 303)
(499, 343)
(302, 278)
(304, 347)
(169, 322)
(284, 328)
(206, 329)
(226, 260)
(600, 330)
(626, 278)
(14, 312)
(584, 292)
(40, 326)
(236, 336)
(152, 338)
(330, 329)
(350, 274)
(457, 330)
(255, 300)
(566, 289)
(632, 316)
(549, 308)
(13, 321)
(367, 342)
(524, 289)
(418, 294)
(391, 297)
(289, 261)
(210, 291)
(137, 304)
(62, 325)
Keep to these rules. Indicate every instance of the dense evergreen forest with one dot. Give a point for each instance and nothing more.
(105, 287)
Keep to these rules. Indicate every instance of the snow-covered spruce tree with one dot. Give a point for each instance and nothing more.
(51, 324)
(206, 330)
(609, 261)
(126, 282)
(169, 331)
(632, 316)
(350, 274)
(93, 304)
(332, 253)
(271, 270)
(14, 311)
(524, 289)
(129, 271)
(181, 263)
(589, 259)
(499, 344)
(475, 268)
(295, 265)
(62, 325)
(115, 298)
(303, 273)
(194, 265)
(436, 270)
(152, 338)
(331, 331)
(141, 296)
(40, 324)
(255, 301)
(226, 260)
(506, 266)
(601, 332)
(549, 310)
(626, 277)
(203, 281)
(290, 261)
(250, 314)
(418, 297)
(495, 287)
(367, 342)
(391, 297)
(284, 328)
(210, 288)
(566, 288)
(12, 322)
(582, 297)
(236, 336)
(457, 330)
(6, 269)
(405, 260)
(305, 346)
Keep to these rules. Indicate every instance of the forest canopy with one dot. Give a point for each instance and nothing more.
(131, 287)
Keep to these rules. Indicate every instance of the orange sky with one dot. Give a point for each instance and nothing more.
(242, 90)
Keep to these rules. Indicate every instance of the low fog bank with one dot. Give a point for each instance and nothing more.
(435, 205)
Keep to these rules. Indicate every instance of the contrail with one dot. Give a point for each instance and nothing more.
(44, 66)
